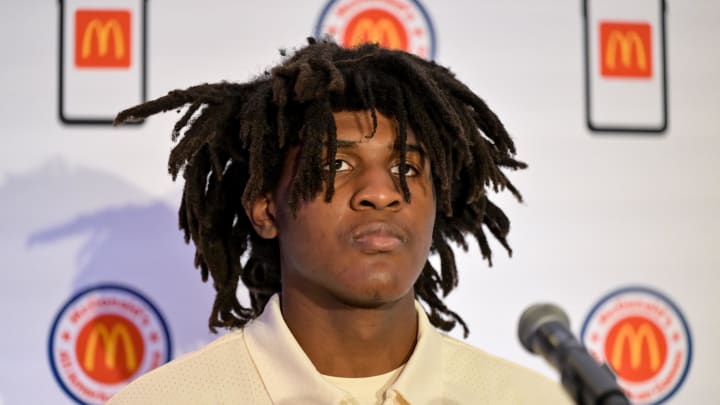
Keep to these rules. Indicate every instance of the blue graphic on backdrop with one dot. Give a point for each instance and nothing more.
(65, 229)
(140, 246)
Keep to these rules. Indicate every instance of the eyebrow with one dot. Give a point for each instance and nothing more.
(411, 147)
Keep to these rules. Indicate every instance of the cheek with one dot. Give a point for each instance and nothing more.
(307, 239)
(426, 214)
(429, 225)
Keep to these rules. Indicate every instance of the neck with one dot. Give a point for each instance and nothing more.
(346, 340)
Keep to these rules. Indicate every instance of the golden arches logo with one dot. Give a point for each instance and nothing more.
(376, 26)
(635, 338)
(110, 349)
(103, 38)
(382, 31)
(109, 339)
(626, 49)
(624, 44)
(636, 348)
(101, 31)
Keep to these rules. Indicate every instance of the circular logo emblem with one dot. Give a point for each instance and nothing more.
(644, 338)
(393, 24)
(103, 338)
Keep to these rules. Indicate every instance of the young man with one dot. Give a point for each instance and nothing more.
(337, 174)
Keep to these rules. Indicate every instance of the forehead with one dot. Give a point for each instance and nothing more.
(357, 126)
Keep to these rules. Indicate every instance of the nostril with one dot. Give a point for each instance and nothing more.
(379, 204)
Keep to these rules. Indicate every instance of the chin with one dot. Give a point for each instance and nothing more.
(375, 296)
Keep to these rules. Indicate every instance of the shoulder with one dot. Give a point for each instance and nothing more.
(222, 371)
(474, 373)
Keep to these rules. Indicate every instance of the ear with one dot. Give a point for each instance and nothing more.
(261, 213)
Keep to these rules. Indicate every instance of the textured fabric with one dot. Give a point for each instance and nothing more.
(264, 364)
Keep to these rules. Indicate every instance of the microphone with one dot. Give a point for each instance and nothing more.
(544, 329)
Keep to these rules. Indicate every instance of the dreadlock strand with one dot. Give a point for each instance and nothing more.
(428, 87)
(498, 224)
(183, 121)
(183, 220)
(194, 139)
(401, 141)
(484, 118)
(331, 146)
(309, 179)
(439, 312)
(438, 161)
(448, 270)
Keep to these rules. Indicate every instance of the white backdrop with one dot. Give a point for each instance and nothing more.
(82, 205)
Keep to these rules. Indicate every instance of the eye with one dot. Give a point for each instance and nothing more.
(410, 170)
(340, 166)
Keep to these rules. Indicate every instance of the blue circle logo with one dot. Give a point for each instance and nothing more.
(393, 24)
(103, 338)
(642, 335)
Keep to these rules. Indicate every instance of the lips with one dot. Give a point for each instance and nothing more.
(378, 237)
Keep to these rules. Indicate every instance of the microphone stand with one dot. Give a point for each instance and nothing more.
(587, 382)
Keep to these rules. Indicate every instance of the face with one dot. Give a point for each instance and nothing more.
(366, 246)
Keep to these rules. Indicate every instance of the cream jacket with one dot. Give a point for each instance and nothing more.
(263, 364)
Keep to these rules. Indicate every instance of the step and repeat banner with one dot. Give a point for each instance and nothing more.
(614, 105)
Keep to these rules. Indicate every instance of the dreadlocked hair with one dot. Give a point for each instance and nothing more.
(233, 139)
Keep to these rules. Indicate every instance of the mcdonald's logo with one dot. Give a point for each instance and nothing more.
(104, 337)
(102, 38)
(625, 50)
(636, 349)
(393, 24)
(376, 26)
(642, 335)
(110, 349)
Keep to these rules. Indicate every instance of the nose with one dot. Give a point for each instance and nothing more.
(377, 189)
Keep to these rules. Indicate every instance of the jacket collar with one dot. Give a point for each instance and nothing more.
(290, 377)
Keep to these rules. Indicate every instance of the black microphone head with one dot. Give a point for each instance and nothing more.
(534, 317)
